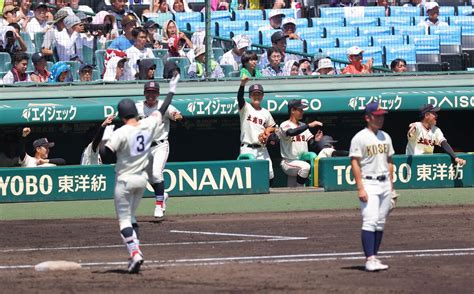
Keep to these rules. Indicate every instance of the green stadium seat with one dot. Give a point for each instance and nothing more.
(88, 55)
(100, 60)
(39, 38)
(246, 156)
(29, 44)
(309, 157)
(227, 69)
(5, 61)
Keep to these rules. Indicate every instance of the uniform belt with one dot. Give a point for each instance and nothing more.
(154, 143)
(251, 145)
(378, 178)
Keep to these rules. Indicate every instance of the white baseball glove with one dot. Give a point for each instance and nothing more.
(174, 82)
(393, 199)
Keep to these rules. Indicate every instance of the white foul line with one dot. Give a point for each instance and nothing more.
(239, 235)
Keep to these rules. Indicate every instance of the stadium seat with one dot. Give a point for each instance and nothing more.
(221, 15)
(246, 156)
(227, 69)
(266, 37)
(75, 65)
(336, 53)
(182, 19)
(289, 12)
(225, 27)
(96, 75)
(425, 44)
(309, 157)
(161, 18)
(407, 52)
(468, 49)
(200, 27)
(295, 45)
(38, 41)
(364, 21)
(395, 21)
(467, 30)
(301, 23)
(30, 47)
(336, 32)
(388, 41)
(100, 60)
(448, 35)
(87, 55)
(160, 53)
(409, 30)
(5, 61)
(217, 53)
(461, 21)
(374, 11)
(312, 33)
(465, 10)
(332, 12)
(374, 52)
(405, 11)
(328, 22)
(248, 15)
(182, 63)
(313, 46)
(375, 31)
(428, 62)
(256, 24)
(234, 74)
(346, 42)
(159, 67)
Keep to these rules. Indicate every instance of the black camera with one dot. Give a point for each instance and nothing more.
(9, 35)
(98, 29)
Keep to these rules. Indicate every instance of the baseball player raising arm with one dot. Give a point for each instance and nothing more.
(160, 146)
(254, 120)
(90, 155)
(424, 135)
(295, 137)
(371, 154)
(130, 147)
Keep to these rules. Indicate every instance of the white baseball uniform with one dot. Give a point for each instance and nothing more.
(89, 157)
(132, 147)
(292, 147)
(373, 150)
(30, 161)
(423, 140)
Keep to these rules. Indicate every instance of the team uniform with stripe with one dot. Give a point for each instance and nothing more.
(423, 140)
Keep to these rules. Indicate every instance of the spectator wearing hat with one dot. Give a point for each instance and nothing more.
(292, 68)
(115, 69)
(424, 135)
(432, 10)
(325, 148)
(39, 23)
(72, 41)
(355, 56)
(152, 35)
(273, 68)
(398, 65)
(125, 41)
(178, 6)
(324, 67)
(41, 73)
(85, 73)
(234, 55)
(119, 10)
(289, 28)
(25, 13)
(275, 18)
(249, 65)
(197, 69)
(41, 147)
(136, 53)
(18, 72)
(278, 41)
(9, 38)
(105, 18)
(60, 73)
(347, 3)
(54, 32)
(170, 29)
(9, 15)
(146, 69)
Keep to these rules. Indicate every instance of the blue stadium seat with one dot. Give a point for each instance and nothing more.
(461, 20)
(254, 25)
(346, 42)
(266, 37)
(313, 45)
(327, 22)
(404, 11)
(295, 45)
(374, 11)
(221, 15)
(364, 21)
(465, 10)
(407, 52)
(448, 35)
(302, 23)
(339, 53)
(188, 16)
(287, 11)
(395, 21)
(390, 41)
(374, 52)
(331, 12)
(200, 26)
(225, 27)
(5, 61)
(375, 31)
(336, 32)
(248, 15)
(425, 44)
(311, 33)
(409, 30)
(161, 18)
(254, 36)
(467, 30)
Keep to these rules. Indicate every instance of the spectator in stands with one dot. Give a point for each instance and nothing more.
(41, 73)
(289, 28)
(273, 68)
(432, 10)
(54, 32)
(105, 18)
(278, 40)
(175, 48)
(85, 73)
(118, 10)
(86, 19)
(305, 67)
(60, 73)
(9, 15)
(25, 13)
(151, 28)
(170, 29)
(125, 41)
(136, 52)
(61, 3)
(233, 56)
(276, 19)
(179, 6)
(18, 72)
(293, 68)
(355, 56)
(414, 3)
(386, 4)
(9, 37)
(114, 69)
(398, 65)
(249, 65)
(146, 70)
(72, 41)
(41, 147)
(347, 3)
(325, 67)
(197, 69)
(39, 22)
(158, 6)
(9, 153)
(219, 5)
(84, 8)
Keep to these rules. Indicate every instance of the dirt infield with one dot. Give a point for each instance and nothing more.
(428, 249)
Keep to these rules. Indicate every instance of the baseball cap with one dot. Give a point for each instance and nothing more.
(85, 66)
(277, 36)
(60, 15)
(324, 63)
(429, 108)
(354, 50)
(128, 19)
(241, 41)
(42, 142)
(373, 108)
(83, 16)
(431, 5)
(288, 20)
(35, 58)
(127, 109)
(296, 103)
(275, 12)
(199, 50)
(9, 8)
(149, 24)
(256, 88)
(152, 86)
(40, 4)
(71, 20)
(326, 142)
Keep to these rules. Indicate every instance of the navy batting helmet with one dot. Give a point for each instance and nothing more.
(127, 109)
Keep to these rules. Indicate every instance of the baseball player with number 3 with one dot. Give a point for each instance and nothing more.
(130, 147)
(160, 146)
(371, 154)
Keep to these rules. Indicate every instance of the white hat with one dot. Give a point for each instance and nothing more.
(431, 5)
(275, 12)
(199, 50)
(242, 41)
(324, 63)
(288, 20)
(354, 50)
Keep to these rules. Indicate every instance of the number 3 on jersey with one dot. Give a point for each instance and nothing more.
(140, 143)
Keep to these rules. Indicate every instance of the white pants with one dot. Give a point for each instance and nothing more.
(295, 168)
(375, 210)
(159, 157)
(128, 193)
(259, 153)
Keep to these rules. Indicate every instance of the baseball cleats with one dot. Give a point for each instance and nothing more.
(380, 265)
(159, 211)
(373, 265)
(135, 262)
